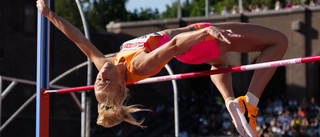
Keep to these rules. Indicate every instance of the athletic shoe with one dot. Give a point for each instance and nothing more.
(247, 114)
(230, 105)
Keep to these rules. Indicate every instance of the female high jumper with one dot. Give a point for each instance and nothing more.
(199, 43)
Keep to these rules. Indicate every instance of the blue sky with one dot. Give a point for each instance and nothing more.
(160, 4)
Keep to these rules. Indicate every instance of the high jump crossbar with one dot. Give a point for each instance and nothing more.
(204, 73)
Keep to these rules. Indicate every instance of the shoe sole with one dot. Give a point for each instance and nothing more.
(236, 119)
(243, 119)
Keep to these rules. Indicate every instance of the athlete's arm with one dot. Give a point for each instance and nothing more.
(74, 34)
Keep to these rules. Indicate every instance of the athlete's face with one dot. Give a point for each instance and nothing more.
(108, 80)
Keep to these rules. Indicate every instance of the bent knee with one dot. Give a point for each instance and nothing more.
(282, 42)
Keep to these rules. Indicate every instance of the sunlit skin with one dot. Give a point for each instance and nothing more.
(109, 79)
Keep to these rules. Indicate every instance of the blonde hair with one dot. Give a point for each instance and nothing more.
(112, 111)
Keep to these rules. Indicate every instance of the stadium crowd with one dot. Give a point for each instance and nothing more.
(262, 8)
(280, 117)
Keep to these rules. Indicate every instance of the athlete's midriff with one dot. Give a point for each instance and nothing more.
(133, 47)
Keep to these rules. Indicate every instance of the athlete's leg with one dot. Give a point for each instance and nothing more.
(272, 45)
(261, 77)
(220, 80)
(224, 84)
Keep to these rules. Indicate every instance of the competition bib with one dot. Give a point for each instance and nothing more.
(137, 42)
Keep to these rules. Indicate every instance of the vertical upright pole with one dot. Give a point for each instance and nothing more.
(207, 8)
(240, 6)
(0, 102)
(175, 102)
(42, 101)
(179, 9)
(85, 95)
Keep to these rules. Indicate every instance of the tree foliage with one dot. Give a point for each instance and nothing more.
(100, 12)
(71, 13)
(197, 7)
(143, 14)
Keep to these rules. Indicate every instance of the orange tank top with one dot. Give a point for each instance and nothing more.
(132, 48)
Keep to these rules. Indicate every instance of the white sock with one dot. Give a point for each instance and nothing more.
(252, 99)
(229, 99)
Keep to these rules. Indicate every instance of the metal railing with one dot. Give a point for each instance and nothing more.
(8, 89)
(15, 81)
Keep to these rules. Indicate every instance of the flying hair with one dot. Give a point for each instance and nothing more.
(112, 111)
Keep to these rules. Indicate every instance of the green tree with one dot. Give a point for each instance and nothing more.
(98, 12)
(197, 7)
(71, 13)
(101, 12)
(171, 11)
(144, 14)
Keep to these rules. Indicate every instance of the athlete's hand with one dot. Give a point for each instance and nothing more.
(42, 6)
(222, 34)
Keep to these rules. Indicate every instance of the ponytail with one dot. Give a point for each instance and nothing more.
(111, 116)
(112, 111)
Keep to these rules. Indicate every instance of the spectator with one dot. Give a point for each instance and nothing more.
(317, 125)
(212, 12)
(234, 10)
(273, 122)
(263, 130)
(312, 4)
(226, 127)
(313, 109)
(269, 108)
(311, 131)
(301, 113)
(278, 108)
(260, 120)
(225, 11)
(296, 124)
(304, 123)
(286, 125)
(281, 117)
(305, 4)
(183, 133)
(287, 133)
(277, 101)
(296, 4)
(268, 118)
(250, 8)
(293, 105)
(314, 105)
(288, 5)
(203, 125)
(277, 5)
(256, 9)
(276, 130)
(265, 8)
(242, 10)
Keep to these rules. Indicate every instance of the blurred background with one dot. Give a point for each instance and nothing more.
(288, 106)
